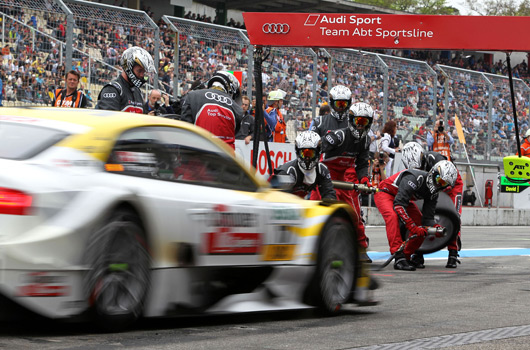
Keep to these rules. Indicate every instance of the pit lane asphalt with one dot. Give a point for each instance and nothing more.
(483, 304)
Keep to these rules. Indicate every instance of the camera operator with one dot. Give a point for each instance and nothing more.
(378, 168)
(440, 140)
(153, 106)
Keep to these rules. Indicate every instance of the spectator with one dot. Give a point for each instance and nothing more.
(439, 140)
(1, 87)
(246, 130)
(6, 53)
(275, 100)
(153, 107)
(70, 96)
(388, 143)
(525, 147)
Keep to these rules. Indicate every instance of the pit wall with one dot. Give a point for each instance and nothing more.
(471, 216)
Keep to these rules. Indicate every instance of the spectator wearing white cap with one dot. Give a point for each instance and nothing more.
(275, 102)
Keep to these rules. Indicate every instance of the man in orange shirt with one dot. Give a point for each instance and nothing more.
(70, 96)
(439, 140)
(6, 53)
(275, 100)
(525, 147)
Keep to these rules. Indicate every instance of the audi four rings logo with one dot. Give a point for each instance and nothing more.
(219, 98)
(276, 28)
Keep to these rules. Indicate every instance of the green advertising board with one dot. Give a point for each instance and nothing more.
(510, 185)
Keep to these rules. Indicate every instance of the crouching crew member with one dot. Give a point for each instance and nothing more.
(414, 157)
(395, 201)
(306, 172)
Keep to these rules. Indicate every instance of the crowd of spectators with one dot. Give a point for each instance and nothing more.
(208, 19)
(32, 66)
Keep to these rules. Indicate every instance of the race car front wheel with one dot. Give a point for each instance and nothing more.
(119, 274)
(337, 257)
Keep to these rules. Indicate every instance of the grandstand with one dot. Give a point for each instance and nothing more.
(411, 91)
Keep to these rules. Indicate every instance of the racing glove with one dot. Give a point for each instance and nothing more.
(409, 223)
(365, 181)
(419, 231)
(332, 140)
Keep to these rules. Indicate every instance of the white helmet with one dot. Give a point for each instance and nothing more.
(412, 155)
(307, 147)
(527, 134)
(443, 174)
(136, 56)
(275, 95)
(360, 119)
(226, 81)
(340, 101)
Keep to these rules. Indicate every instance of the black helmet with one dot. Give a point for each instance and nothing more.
(226, 81)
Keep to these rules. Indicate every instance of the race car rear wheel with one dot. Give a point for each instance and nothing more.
(119, 275)
(336, 263)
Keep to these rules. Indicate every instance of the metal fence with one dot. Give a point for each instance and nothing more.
(49, 17)
(411, 97)
(200, 49)
(100, 35)
(36, 64)
(482, 103)
(366, 75)
(405, 90)
(55, 37)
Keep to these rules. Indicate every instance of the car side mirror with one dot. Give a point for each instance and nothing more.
(281, 182)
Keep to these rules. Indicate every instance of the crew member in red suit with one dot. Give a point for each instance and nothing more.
(395, 201)
(345, 153)
(414, 157)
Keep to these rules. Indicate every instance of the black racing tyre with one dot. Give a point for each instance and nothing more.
(336, 266)
(119, 275)
(446, 216)
(433, 244)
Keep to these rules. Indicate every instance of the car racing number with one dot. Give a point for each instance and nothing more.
(283, 241)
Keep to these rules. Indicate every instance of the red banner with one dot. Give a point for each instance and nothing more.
(490, 33)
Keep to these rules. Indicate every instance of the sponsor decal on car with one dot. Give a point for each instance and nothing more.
(220, 242)
(278, 252)
(43, 284)
(285, 215)
(225, 238)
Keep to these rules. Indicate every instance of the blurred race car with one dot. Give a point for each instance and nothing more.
(114, 216)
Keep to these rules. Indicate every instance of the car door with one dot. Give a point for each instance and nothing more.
(192, 193)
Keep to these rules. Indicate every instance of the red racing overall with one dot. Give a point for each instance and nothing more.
(395, 202)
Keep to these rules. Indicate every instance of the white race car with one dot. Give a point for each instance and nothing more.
(115, 216)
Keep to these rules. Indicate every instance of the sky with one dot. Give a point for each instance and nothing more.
(458, 4)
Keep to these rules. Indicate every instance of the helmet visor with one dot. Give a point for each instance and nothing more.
(361, 121)
(340, 105)
(441, 183)
(307, 153)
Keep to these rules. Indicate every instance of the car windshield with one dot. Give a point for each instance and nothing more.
(22, 141)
